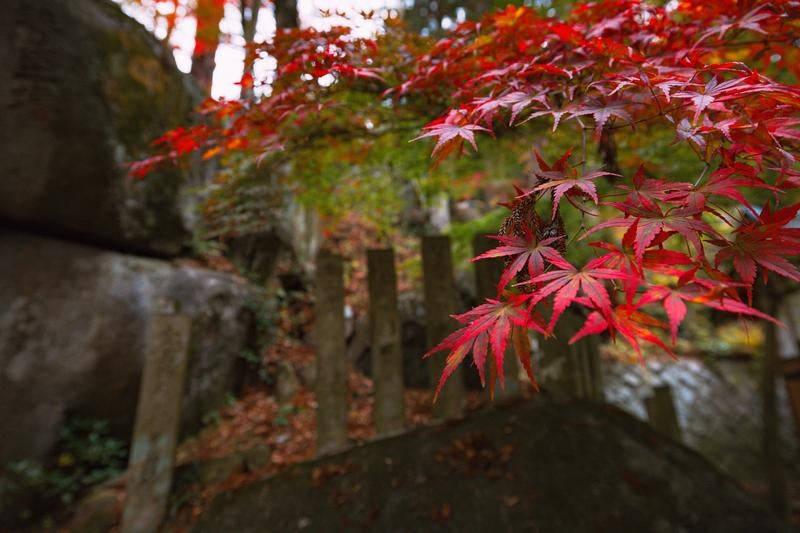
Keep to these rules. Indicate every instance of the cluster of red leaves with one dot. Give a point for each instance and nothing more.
(609, 67)
(311, 64)
(625, 63)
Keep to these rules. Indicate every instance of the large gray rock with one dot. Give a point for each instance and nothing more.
(72, 325)
(536, 466)
(83, 90)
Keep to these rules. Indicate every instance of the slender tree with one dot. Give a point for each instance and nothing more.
(209, 14)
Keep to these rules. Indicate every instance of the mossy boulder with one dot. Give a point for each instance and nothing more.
(535, 466)
(84, 89)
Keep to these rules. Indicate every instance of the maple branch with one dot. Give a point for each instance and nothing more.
(706, 166)
(765, 42)
(655, 97)
(661, 113)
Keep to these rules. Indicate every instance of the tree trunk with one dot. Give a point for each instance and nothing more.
(286, 15)
(249, 10)
(209, 13)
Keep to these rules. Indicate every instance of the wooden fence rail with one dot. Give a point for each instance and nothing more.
(167, 353)
(579, 366)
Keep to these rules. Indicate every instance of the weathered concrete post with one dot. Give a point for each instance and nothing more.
(329, 337)
(661, 412)
(487, 275)
(588, 370)
(440, 303)
(791, 376)
(155, 433)
(386, 348)
(768, 299)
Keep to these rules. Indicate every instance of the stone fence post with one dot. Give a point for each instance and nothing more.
(329, 338)
(661, 412)
(580, 373)
(440, 303)
(155, 434)
(385, 342)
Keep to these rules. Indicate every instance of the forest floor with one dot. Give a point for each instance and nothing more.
(257, 419)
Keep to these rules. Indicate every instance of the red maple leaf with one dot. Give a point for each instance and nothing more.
(624, 259)
(566, 283)
(750, 21)
(725, 183)
(601, 113)
(648, 228)
(489, 324)
(766, 242)
(705, 292)
(450, 132)
(628, 321)
(529, 252)
(645, 192)
(576, 183)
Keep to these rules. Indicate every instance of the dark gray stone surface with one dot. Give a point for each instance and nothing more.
(536, 466)
(72, 330)
(84, 89)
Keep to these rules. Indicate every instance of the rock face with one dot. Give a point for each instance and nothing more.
(72, 326)
(718, 406)
(84, 89)
(536, 466)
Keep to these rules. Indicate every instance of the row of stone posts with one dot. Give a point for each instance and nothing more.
(385, 340)
(581, 376)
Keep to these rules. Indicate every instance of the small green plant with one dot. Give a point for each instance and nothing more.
(263, 314)
(256, 365)
(85, 455)
(212, 418)
(284, 412)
